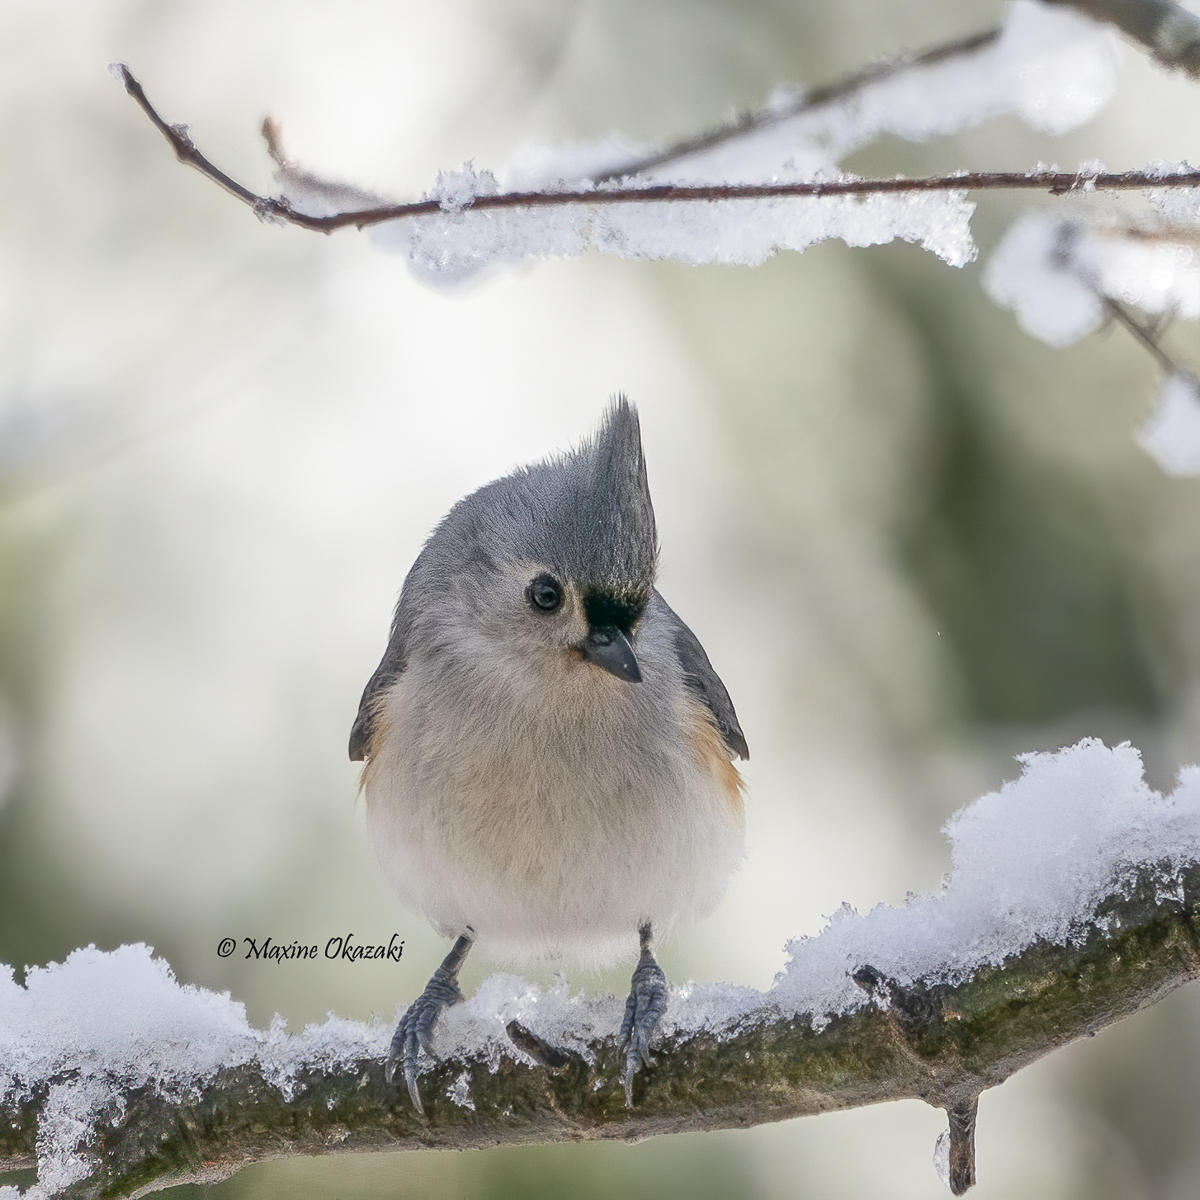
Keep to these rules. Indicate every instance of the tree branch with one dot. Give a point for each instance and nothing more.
(1168, 31)
(943, 1043)
(1145, 337)
(181, 142)
(276, 208)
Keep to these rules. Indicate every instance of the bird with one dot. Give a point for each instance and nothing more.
(548, 752)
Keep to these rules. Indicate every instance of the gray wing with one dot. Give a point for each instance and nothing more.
(704, 682)
(389, 670)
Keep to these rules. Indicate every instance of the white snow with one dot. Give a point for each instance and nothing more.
(1052, 67)
(1054, 272)
(1031, 861)
(1174, 203)
(454, 190)
(1060, 65)
(1149, 270)
(103, 1022)
(1172, 435)
(1031, 273)
(453, 245)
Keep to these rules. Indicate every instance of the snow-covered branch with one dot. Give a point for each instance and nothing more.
(1064, 277)
(768, 182)
(1074, 902)
(797, 102)
(1166, 29)
(466, 199)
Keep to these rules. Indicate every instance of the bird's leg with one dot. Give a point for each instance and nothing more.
(643, 1011)
(415, 1031)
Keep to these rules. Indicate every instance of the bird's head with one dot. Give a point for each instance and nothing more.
(557, 558)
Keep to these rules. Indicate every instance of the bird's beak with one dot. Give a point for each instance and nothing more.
(609, 648)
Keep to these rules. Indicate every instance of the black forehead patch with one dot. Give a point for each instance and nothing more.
(607, 608)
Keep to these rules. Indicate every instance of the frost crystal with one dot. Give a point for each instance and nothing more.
(454, 190)
(460, 1091)
(1172, 435)
(941, 1157)
(1178, 203)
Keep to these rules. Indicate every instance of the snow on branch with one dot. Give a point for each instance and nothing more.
(1065, 277)
(1057, 273)
(1073, 902)
(788, 103)
(1167, 30)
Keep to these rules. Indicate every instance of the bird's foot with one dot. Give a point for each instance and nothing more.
(415, 1031)
(643, 1012)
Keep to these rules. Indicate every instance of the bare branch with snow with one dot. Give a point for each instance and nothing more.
(486, 199)
(1166, 29)
(798, 103)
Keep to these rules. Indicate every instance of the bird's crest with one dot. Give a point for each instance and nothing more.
(601, 524)
(585, 515)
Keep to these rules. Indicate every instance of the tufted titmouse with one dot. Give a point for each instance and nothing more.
(548, 749)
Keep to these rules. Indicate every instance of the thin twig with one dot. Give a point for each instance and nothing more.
(181, 142)
(276, 208)
(753, 122)
(1148, 339)
(1147, 332)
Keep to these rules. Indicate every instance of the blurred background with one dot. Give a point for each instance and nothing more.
(914, 541)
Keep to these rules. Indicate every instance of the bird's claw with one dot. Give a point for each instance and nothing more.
(643, 1012)
(415, 1031)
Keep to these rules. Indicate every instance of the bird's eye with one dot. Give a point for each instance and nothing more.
(545, 593)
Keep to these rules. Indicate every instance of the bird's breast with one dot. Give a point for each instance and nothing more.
(571, 808)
